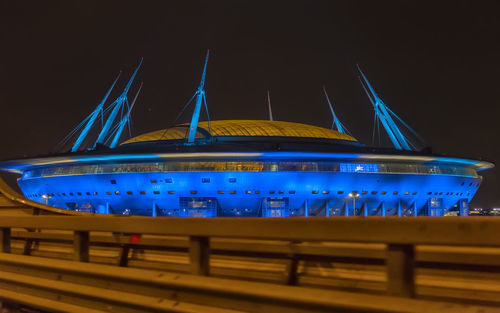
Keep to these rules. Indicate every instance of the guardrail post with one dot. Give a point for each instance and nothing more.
(81, 246)
(5, 240)
(401, 270)
(291, 269)
(199, 255)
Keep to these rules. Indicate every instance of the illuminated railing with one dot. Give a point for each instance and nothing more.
(252, 166)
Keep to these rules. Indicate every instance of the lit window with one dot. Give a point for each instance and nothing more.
(315, 192)
(117, 192)
(325, 192)
(232, 192)
(257, 192)
(221, 192)
(248, 192)
(142, 192)
(193, 192)
(395, 193)
(232, 180)
(383, 192)
(129, 192)
(414, 193)
(171, 192)
(374, 192)
(205, 180)
(109, 193)
(156, 192)
(407, 193)
(153, 181)
(364, 192)
(95, 193)
(113, 182)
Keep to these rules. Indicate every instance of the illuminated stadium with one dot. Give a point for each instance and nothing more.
(262, 168)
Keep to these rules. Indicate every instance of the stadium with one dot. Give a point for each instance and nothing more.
(258, 168)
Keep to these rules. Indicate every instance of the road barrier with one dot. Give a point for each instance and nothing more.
(415, 252)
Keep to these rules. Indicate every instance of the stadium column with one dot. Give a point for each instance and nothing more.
(306, 209)
(415, 213)
(464, 207)
(365, 209)
(346, 209)
(399, 208)
(154, 213)
(327, 209)
(382, 208)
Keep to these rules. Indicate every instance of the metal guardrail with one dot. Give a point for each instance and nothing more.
(400, 236)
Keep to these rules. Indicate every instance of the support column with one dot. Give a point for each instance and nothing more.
(401, 270)
(154, 213)
(346, 209)
(365, 208)
(415, 213)
(327, 209)
(463, 207)
(199, 255)
(107, 208)
(306, 209)
(5, 240)
(382, 208)
(81, 246)
(399, 208)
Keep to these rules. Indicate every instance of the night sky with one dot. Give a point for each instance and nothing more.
(435, 63)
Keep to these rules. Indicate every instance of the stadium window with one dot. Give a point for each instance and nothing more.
(129, 192)
(193, 192)
(272, 192)
(71, 194)
(64, 194)
(142, 192)
(257, 192)
(79, 193)
(463, 183)
(407, 193)
(88, 193)
(436, 193)
(383, 192)
(429, 193)
(248, 192)
(221, 192)
(315, 192)
(156, 192)
(232, 192)
(292, 192)
(281, 192)
(232, 180)
(95, 193)
(440, 193)
(168, 180)
(171, 192)
(58, 194)
(153, 181)
(117, 193)
(109, 193)
(470, 184)
(395, 193)
(364, 192)
(205, 180)
(325, 192)
(374, 192)
(340, 192)
(414, 193)
(447, 193)
(113, 182)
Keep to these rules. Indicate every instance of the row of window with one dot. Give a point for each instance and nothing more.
(232, 192)
(253, 166)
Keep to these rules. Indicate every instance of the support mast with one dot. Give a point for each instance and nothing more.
(200, 95)
(269, 105)
(336, 121)
(124, 121)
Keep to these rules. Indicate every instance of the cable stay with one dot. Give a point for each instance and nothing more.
(124, 121)
(200, 97)
(269, 106)
(92, 117)
(385, 116)
(340, 127)
(117, 106)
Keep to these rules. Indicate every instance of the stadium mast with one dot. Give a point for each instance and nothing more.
(269, 105)
(341, 128)
(200, 96)
(124, 121)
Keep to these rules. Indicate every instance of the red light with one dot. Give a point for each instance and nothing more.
(135, 238)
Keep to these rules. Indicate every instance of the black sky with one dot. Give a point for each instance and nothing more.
(435, 63)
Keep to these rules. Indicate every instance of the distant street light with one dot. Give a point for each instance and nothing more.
(46, 197)
(354, 195)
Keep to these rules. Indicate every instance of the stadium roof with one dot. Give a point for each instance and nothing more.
(244, 128)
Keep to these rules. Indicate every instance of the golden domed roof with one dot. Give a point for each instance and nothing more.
(245, 128)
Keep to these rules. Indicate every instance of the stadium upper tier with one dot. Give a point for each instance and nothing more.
(244, 128)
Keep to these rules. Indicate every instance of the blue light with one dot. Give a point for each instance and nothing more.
(358, 168)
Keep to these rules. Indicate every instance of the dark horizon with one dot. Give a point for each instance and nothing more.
(433, 64)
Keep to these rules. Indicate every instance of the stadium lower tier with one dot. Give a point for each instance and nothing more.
(266, 194)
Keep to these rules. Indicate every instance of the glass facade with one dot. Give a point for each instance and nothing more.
(252, 166)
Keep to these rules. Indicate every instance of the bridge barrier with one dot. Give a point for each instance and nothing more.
(406, 247)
